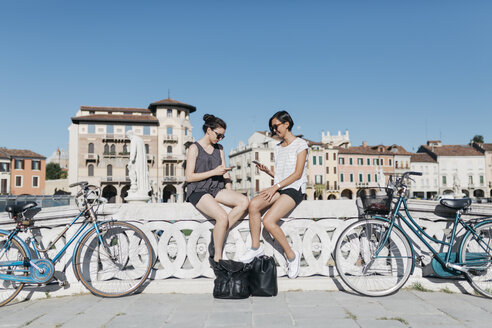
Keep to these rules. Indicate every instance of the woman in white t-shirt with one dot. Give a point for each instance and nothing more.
(286, 193)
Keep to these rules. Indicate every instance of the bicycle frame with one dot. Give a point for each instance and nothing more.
(420, 233)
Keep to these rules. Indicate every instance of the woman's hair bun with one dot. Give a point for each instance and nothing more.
(208, 117)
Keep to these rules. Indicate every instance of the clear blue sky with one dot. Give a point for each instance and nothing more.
(392, 72)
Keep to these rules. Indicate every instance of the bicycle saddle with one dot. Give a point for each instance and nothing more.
(20, 207)
(457, 204)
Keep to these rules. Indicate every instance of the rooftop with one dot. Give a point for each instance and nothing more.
(172, 103)
(8, 153)
(115, 109)
(450, 150)
(422, 158)
(147, 119)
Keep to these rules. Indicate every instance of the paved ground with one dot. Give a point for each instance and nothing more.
(288, 309)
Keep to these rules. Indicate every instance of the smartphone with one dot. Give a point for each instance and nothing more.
(256, 162)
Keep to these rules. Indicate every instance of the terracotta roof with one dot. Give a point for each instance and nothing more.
(450, 150)
(487, 147)
(115, 109)
(172, 103)
(20, 153)
(149, 119)
(374, 150)
(266, 133)
(422, 157)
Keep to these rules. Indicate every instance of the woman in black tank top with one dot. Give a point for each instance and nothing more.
(209, 182)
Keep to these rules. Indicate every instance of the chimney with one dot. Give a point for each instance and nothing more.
(364, 144)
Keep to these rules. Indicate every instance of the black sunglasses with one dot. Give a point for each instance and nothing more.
(275, 126)
(219, 135)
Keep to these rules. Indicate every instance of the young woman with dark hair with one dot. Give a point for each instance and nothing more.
(209, 182)
(286, 193)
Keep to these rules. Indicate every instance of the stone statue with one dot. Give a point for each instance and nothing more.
(456, 186)
(137, 170)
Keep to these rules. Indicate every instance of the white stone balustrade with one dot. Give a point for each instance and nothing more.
(180, 235)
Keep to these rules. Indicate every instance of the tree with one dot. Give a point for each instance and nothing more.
(477, 139)
(53, 171)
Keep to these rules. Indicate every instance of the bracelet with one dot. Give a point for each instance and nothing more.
(278, 185)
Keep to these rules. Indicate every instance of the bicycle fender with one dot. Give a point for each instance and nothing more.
(77, 245)
(406, 236)
(21, 242)
(466, 236)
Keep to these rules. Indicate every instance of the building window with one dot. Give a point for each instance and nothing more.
(35, 182)
(361, 178)
(113, 149)
(341, 177)
(443, 180)
(90, 170)
(375, 161)
(18, 181)
(350, 161)
(390, 162)
(257, 156)
(396, 164)
(109, 129)
(4, 167)
(327, 157)
(106, 149)
(314, 160)
(368, 178)
(3, 187)
(272, 157)
(90, 148)
(341, 160)
(382, 161)
(368, 161)
(146, 130)
(257, 185)
(169, 130)
(167, 170)
(172, 169)
(334, 156)
(186, 131)
(327, 170)
(19, 164)
(91, 129)
(169, 150)
(320, 158)
(169, 113)
(470, 179)
(351, 177)
(481, 180)
(125, 149)
(360, 161)
(36, 165)
(375, 178)
(335, 185)
(147, 148)
(335, 170)
(109, 170)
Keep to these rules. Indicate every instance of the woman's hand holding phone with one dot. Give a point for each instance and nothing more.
(261, 166)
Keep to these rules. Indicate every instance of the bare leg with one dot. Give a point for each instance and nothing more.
(210, 207)
(237, 201)
(279, 209)
(255, 206)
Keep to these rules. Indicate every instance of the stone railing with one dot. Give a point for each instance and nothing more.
(180, 235)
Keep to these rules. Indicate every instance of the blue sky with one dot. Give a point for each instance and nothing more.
(392, 72)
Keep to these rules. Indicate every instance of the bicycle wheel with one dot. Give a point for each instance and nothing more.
(11, 251)
(476, 256)
(119, 265)
(361, 270)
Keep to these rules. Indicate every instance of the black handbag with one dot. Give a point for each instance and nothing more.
(263, 277)
(232, 279)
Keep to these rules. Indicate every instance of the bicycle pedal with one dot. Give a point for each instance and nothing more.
(62, 283)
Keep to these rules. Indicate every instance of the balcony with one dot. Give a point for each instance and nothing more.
(91, 157)
(121, 154)
(115, 137)
(170, 139)
(361, 184)
(115, 179)
(173, 158)
(173, 179)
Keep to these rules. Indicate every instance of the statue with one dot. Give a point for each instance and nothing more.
(456, 186)
(137, 170)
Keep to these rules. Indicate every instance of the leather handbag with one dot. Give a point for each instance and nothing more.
(263, 277)
(232, 279)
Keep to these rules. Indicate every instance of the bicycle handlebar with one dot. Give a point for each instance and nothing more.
(80, 183)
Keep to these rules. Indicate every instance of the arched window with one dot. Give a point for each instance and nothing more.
(113, 149)
(109, 170)
(91, 148)
(169, 149)
(146, 148)
(106, 149)
(125, 148)
(90, 170)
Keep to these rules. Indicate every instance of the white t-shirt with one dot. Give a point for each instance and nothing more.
(285, 163)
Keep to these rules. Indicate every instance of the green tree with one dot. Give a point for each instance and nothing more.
(477, 139)
(53, 171)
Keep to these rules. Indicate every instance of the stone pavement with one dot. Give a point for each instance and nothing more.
(407, 308)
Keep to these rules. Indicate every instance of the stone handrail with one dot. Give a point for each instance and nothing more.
(180, 234)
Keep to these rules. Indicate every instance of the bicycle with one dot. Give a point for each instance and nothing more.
(374, 256)
(110, 258)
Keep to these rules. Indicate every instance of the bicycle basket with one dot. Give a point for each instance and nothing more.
(375, 200)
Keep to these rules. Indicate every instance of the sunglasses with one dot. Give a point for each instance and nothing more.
(275, 126)
(219, 135)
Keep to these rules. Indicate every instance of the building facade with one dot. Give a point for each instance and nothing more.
(461, 169)
(486, 150)
(99, 147)
(22, 172)
(427, 185)
(322, 177)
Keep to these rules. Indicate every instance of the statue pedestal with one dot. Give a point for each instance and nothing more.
(135, 198)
